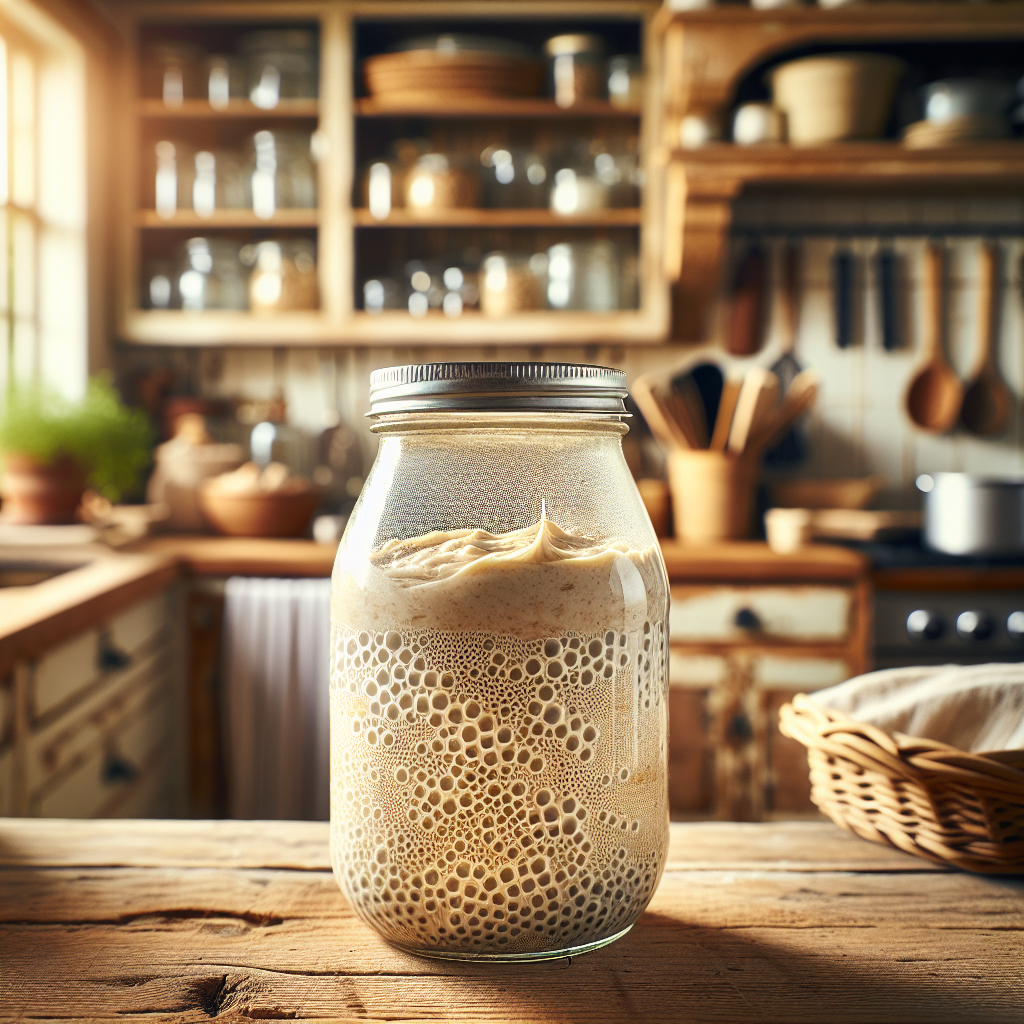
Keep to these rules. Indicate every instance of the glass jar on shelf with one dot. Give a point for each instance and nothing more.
(281, 64)
(584, 276)
(211, 275)
(283, 275)
(160, 285)
(440, 182)
(282, 172)
(383, 293)
(173, 72)
(577, 68)
(625, 80)
(512, 283)
(174, 178)
(515, 177)
(499, 753)
(220, 182)
(225, 79)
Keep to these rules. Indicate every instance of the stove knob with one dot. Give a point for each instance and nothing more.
(924, 625)
(974, 625)
(1015, 626)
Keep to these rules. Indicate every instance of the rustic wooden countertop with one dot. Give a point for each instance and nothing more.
(788, 922)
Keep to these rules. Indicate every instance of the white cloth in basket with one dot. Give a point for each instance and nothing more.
(975, 708)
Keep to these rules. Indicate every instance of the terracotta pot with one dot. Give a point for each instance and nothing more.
(40, 493)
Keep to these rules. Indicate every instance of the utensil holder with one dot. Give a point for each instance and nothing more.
(712, 494)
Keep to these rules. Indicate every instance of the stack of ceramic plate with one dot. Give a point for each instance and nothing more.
(958, 130)
(440, 68)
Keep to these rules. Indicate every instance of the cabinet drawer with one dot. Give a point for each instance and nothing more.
(65, 671)
(130, 630)
(734, 614)
(109, 769)
(52, 749)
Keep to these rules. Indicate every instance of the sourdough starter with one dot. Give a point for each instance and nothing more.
(497, 739)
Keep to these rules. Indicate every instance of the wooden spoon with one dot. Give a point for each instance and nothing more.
(986, 406)
(723, 420)
(659, 419)
(759, 396)
(935, 394)
(800, 397)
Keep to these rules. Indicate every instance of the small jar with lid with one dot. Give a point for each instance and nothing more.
(283, 275)
(625, 80)
(172, 71)
(440, 182)
(281, 64)
(282, 172)
(577, 68)
(498, 751)
(511, 283)
(212, 276)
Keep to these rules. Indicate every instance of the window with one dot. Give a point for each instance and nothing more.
(43, 296)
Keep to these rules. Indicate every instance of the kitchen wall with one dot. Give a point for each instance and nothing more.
(859, 426)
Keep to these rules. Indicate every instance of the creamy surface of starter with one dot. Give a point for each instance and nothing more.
(498, 738)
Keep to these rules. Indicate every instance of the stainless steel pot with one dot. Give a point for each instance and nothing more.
(966, 514)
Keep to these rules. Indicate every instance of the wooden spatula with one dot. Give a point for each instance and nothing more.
(663, 426)
(759, 395)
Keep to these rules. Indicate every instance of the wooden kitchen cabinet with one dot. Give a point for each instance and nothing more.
(748, 630)
(90, 727)
(351, 244)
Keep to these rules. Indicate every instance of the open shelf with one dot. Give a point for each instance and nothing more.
(201, 110)
(477, 218)
(230, 328)
(492, 107)
(704, 183)
(229, 219)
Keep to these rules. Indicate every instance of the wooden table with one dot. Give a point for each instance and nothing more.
(185, 921)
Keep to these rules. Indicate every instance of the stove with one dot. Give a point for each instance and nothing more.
(936, 609)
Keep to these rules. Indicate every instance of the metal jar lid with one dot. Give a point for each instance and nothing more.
(498, 387)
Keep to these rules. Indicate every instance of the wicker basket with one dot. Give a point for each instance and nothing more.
(918, 795)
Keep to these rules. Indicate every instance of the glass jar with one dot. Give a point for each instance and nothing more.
(499, 668)
(220, 182)
(225, 80)
(511, 283)
(281, 64)
(281, 172)
(577, 68)
(172, 72)
(514, 177)
(625, 80)
(283, 275)
(211, 275)
(584, 276)
(440, 182)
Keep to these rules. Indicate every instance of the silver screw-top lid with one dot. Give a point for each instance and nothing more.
(497, 387)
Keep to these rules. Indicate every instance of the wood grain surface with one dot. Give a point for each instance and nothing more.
(239, 921)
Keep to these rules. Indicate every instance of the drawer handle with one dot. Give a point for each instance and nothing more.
(112, 658)
(746, 619)
(116, 769)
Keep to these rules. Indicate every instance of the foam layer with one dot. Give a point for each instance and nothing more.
(493, 792)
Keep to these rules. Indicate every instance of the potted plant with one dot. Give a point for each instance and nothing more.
(52, 449)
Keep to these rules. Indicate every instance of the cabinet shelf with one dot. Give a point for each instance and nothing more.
(505, 218)
(228, 219)
(492, 107)
(200, 110)
(237, 328)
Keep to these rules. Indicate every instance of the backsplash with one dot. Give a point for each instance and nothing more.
(859, 425)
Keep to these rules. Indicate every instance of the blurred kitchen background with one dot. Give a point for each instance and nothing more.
(237, 212)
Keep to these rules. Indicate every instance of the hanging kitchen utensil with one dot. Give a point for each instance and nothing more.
(758, 399)
(747, 314)
(791, 448)
(887, 266)
(986, 405)
(935, 394)
(844, 269)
